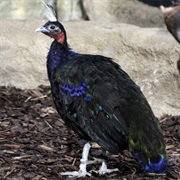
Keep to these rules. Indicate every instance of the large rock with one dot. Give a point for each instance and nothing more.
(23, 9)
(124, 11)
(69, 10)
(148, 55)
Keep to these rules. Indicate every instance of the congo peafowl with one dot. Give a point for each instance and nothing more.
(101, 103)
(172, 21)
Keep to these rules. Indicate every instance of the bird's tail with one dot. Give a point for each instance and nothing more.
(148, 146)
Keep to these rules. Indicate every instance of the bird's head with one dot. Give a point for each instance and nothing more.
(53, 28)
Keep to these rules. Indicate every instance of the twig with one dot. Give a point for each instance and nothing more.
(28, 99)
(155, 174)
(48, 124)
(6, 99)
(21, 157)
(74, 161)
(44, 147)
(8, 173)
(4, 133)
(42, 97)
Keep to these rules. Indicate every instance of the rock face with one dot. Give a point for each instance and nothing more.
(124, 11)
(116, 11)
(148, 55)
(69, 10)
(23, 9)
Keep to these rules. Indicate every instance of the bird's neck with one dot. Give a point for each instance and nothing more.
(57, 56)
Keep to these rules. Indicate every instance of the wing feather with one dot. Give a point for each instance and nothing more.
(104, 125)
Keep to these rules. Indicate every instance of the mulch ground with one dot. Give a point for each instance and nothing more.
(35, 144)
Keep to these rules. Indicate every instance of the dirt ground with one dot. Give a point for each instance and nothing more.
(35, 144)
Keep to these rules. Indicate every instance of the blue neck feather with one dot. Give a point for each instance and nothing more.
(58, 54)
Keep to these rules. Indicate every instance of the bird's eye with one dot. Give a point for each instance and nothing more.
(52, 27)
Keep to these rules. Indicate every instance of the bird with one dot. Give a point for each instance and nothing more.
(172, 21)
(101, 103)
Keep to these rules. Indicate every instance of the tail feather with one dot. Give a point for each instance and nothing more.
(156, 167)
(148, 146)
(159, 165)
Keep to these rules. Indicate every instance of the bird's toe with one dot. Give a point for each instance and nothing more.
(76, 174)
(104, 170)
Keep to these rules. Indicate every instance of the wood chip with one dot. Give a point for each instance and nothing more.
(44, 147)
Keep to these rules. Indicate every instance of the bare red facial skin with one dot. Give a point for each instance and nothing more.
(60, 37)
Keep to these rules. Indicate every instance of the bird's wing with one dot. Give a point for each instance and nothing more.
(102, 102)
(92, 99)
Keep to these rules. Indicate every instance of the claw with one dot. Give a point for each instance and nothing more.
(103, 169)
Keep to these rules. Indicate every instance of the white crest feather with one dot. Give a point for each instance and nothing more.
(51, 13)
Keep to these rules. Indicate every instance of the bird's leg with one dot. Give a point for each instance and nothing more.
(83, 163)
(103, 169)
(84, 159)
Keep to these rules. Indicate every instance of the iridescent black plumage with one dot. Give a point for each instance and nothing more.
(98, 100)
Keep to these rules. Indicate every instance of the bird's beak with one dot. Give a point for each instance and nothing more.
(42, 29)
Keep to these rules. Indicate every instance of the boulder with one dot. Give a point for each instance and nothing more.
(116, 11)
(123, 11)
(69, 10)
(148, 55)
(23, 9)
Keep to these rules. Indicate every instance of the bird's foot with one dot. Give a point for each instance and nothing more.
(103, 169)
(81, 173)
